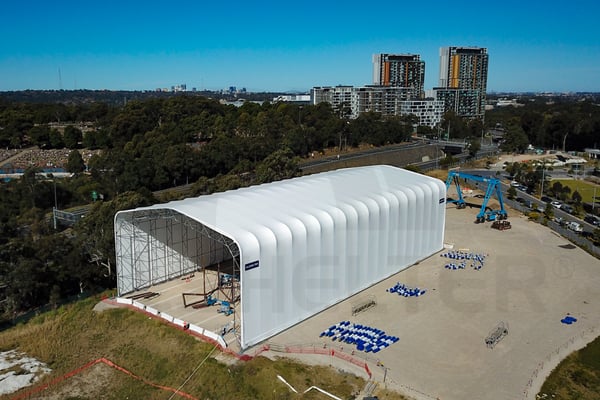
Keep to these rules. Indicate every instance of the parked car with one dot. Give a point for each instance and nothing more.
(592, 219)
(546, 199)
(575, 227)
(588, 235)
(556, 204)
(567, 208)
(536, 207)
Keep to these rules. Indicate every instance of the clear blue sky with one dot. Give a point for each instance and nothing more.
(281, 45)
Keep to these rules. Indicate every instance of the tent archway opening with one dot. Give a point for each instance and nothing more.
(155, 246)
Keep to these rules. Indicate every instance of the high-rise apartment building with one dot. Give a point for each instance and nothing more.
(401, 70)
(398, 87)
(463, 68)
(350, 102)
(381, 99)
(463, 80)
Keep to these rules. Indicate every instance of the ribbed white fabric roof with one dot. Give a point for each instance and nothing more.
(247, 208)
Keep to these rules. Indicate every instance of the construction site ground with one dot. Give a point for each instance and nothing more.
(531, 279)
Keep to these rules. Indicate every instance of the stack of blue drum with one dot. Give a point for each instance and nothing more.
(476, 260)
(568, 320)
(365, 338)
(455, 266)
(406, 291)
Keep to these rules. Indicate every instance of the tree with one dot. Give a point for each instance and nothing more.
(454, 126)
(39, 135)
(474, 147)
(56, 139)
(72, 137)
(576, 197)
(596, 236)
(75, 162)
(556, 189)
(512, 193)
(447, 161)
(280, 165)
(531, 123)
(515, 140)
(95, 233)
(413, 168)
(548, 212)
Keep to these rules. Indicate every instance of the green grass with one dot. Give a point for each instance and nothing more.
(585, 189)
(73, 335)
(577, 376)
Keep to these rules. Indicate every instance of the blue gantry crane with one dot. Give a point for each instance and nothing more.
(493, 187)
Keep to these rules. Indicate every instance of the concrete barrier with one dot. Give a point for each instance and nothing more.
(166, 317)
(139, 305)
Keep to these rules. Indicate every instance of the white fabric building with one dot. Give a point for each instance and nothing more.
(299, 245)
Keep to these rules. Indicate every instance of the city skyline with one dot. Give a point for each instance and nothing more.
(273, 46)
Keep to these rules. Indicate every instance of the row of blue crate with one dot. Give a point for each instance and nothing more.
(402, 290)
(474, 260)
(463, 255)
(364, 337)
(463, 265)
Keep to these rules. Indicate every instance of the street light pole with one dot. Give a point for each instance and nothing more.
(543, 178)
(55, 204)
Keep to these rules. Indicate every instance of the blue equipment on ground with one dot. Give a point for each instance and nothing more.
(476, 260)
(211, 301)
(364, 337)
(225, 305)
(227, 279)
(225, 308)
(493, 186)
(406, 291)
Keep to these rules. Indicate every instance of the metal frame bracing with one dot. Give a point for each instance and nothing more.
(159, 245)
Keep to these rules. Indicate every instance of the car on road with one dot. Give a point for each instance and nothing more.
(587, 234)
(567, 208)
(575, 227)
(560, 220)
(537, 207)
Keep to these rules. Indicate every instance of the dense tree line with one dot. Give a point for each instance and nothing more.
(549, 123)
(145, 146)
(543, 122)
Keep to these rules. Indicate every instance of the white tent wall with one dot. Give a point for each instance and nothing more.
(304, 243)
(314, 259)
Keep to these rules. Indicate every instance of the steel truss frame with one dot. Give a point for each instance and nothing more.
(154, 246)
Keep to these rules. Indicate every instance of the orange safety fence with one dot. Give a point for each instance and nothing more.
(92, 363)
(329, 352)
(247, 357)
(242, 357)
